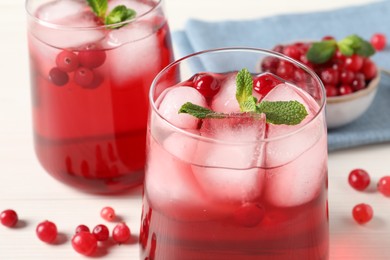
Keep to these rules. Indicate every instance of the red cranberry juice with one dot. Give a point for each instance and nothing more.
(192, 211)
(90, 123)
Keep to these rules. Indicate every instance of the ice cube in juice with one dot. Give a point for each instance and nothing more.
(235, 188)
(90, 121)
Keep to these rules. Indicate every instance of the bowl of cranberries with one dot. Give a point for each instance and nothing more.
(345, 67)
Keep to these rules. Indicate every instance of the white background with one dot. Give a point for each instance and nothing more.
(25, 187)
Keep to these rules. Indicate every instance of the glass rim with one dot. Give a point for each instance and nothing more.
(152, 102)
(85, 28)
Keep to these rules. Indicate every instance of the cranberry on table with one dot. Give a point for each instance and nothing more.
(378, 41)
(81, 228)
(58, 77)
(384, 186)
(121, 233)
(67, 61)
(359, 179)
(362, 213)
(206, 84)
(108, 213)
(101, 232)
(9, 218)
(47, 231)
(84, 243)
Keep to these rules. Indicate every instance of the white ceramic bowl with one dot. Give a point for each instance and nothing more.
(342, 110)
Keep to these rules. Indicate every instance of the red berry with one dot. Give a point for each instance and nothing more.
(67, 61)
(92, 58)
(346, 77)
(82, 228)
(207, 85)
(83, 77)
(345, 90)
(378, 41)
(121, 233)
(362, 213)
(84, 243)
(249, 215)
(270, 64)
(354, 63)
(285, 70)
(107, 213)
(9, 218)
(47, 231)
(327, 38)
(359, 82)
(359, 179)
(384, 186)
(278, 48)
(264, 83)
(369, 69)
(58, 77)
(330, 76)
(101, 232)
(292, 51)
(339, 56)
(331, 91)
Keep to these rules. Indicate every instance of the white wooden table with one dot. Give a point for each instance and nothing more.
(25, 187)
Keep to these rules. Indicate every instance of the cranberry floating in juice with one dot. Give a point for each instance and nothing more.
(237, 161)
(91, 69)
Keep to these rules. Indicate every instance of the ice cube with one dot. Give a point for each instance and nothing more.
(65, 15)
(299, 181)
(181, 145)
(172, 189)
(227, 170)
(296, 162)
(173, 101)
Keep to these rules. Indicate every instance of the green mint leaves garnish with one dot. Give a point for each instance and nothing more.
(321, 52)
(119, 14)
(277, 112)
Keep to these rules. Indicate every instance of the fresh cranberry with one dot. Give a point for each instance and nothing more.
(378, 41)
(92, 58)
(345, 90)
(84, 243)
(331, 90)
(285, 70)
(362, 213)
(359, 179)
(47, 231)
(83, 77)
(249, 215)
(384, 186)
(67, 61)
(369, 69)
(346, 77)
(101, 232)
(8, 218)
(278, 48)
(299, 76)
(58, 77)
(339, 56)
(354, 63)
(270, 64)
(327, 38)
(121, 233)
(330, 76)
(264, 83)
(108, 213)
(207, 85)
(292, 51)
(359, 82)
(82, 228)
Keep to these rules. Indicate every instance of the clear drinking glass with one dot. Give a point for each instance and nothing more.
(237, 187)
(90, 85)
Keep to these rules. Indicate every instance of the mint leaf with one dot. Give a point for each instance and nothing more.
(249, 105)
(283, 112)
(353, 44)
(99, 7)
(119, 14)
(244, 83)
(321, 52)
(365, 49)
(200, 112)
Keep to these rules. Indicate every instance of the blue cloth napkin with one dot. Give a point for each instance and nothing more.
(364, 20)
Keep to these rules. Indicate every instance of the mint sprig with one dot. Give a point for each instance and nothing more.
(277, 112)
(321, 52)
(119, 14)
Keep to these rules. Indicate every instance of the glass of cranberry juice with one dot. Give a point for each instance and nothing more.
(90, 84)
(234, 188)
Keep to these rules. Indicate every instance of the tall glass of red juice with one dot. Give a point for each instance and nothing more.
(228, 183)
(90, 82)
